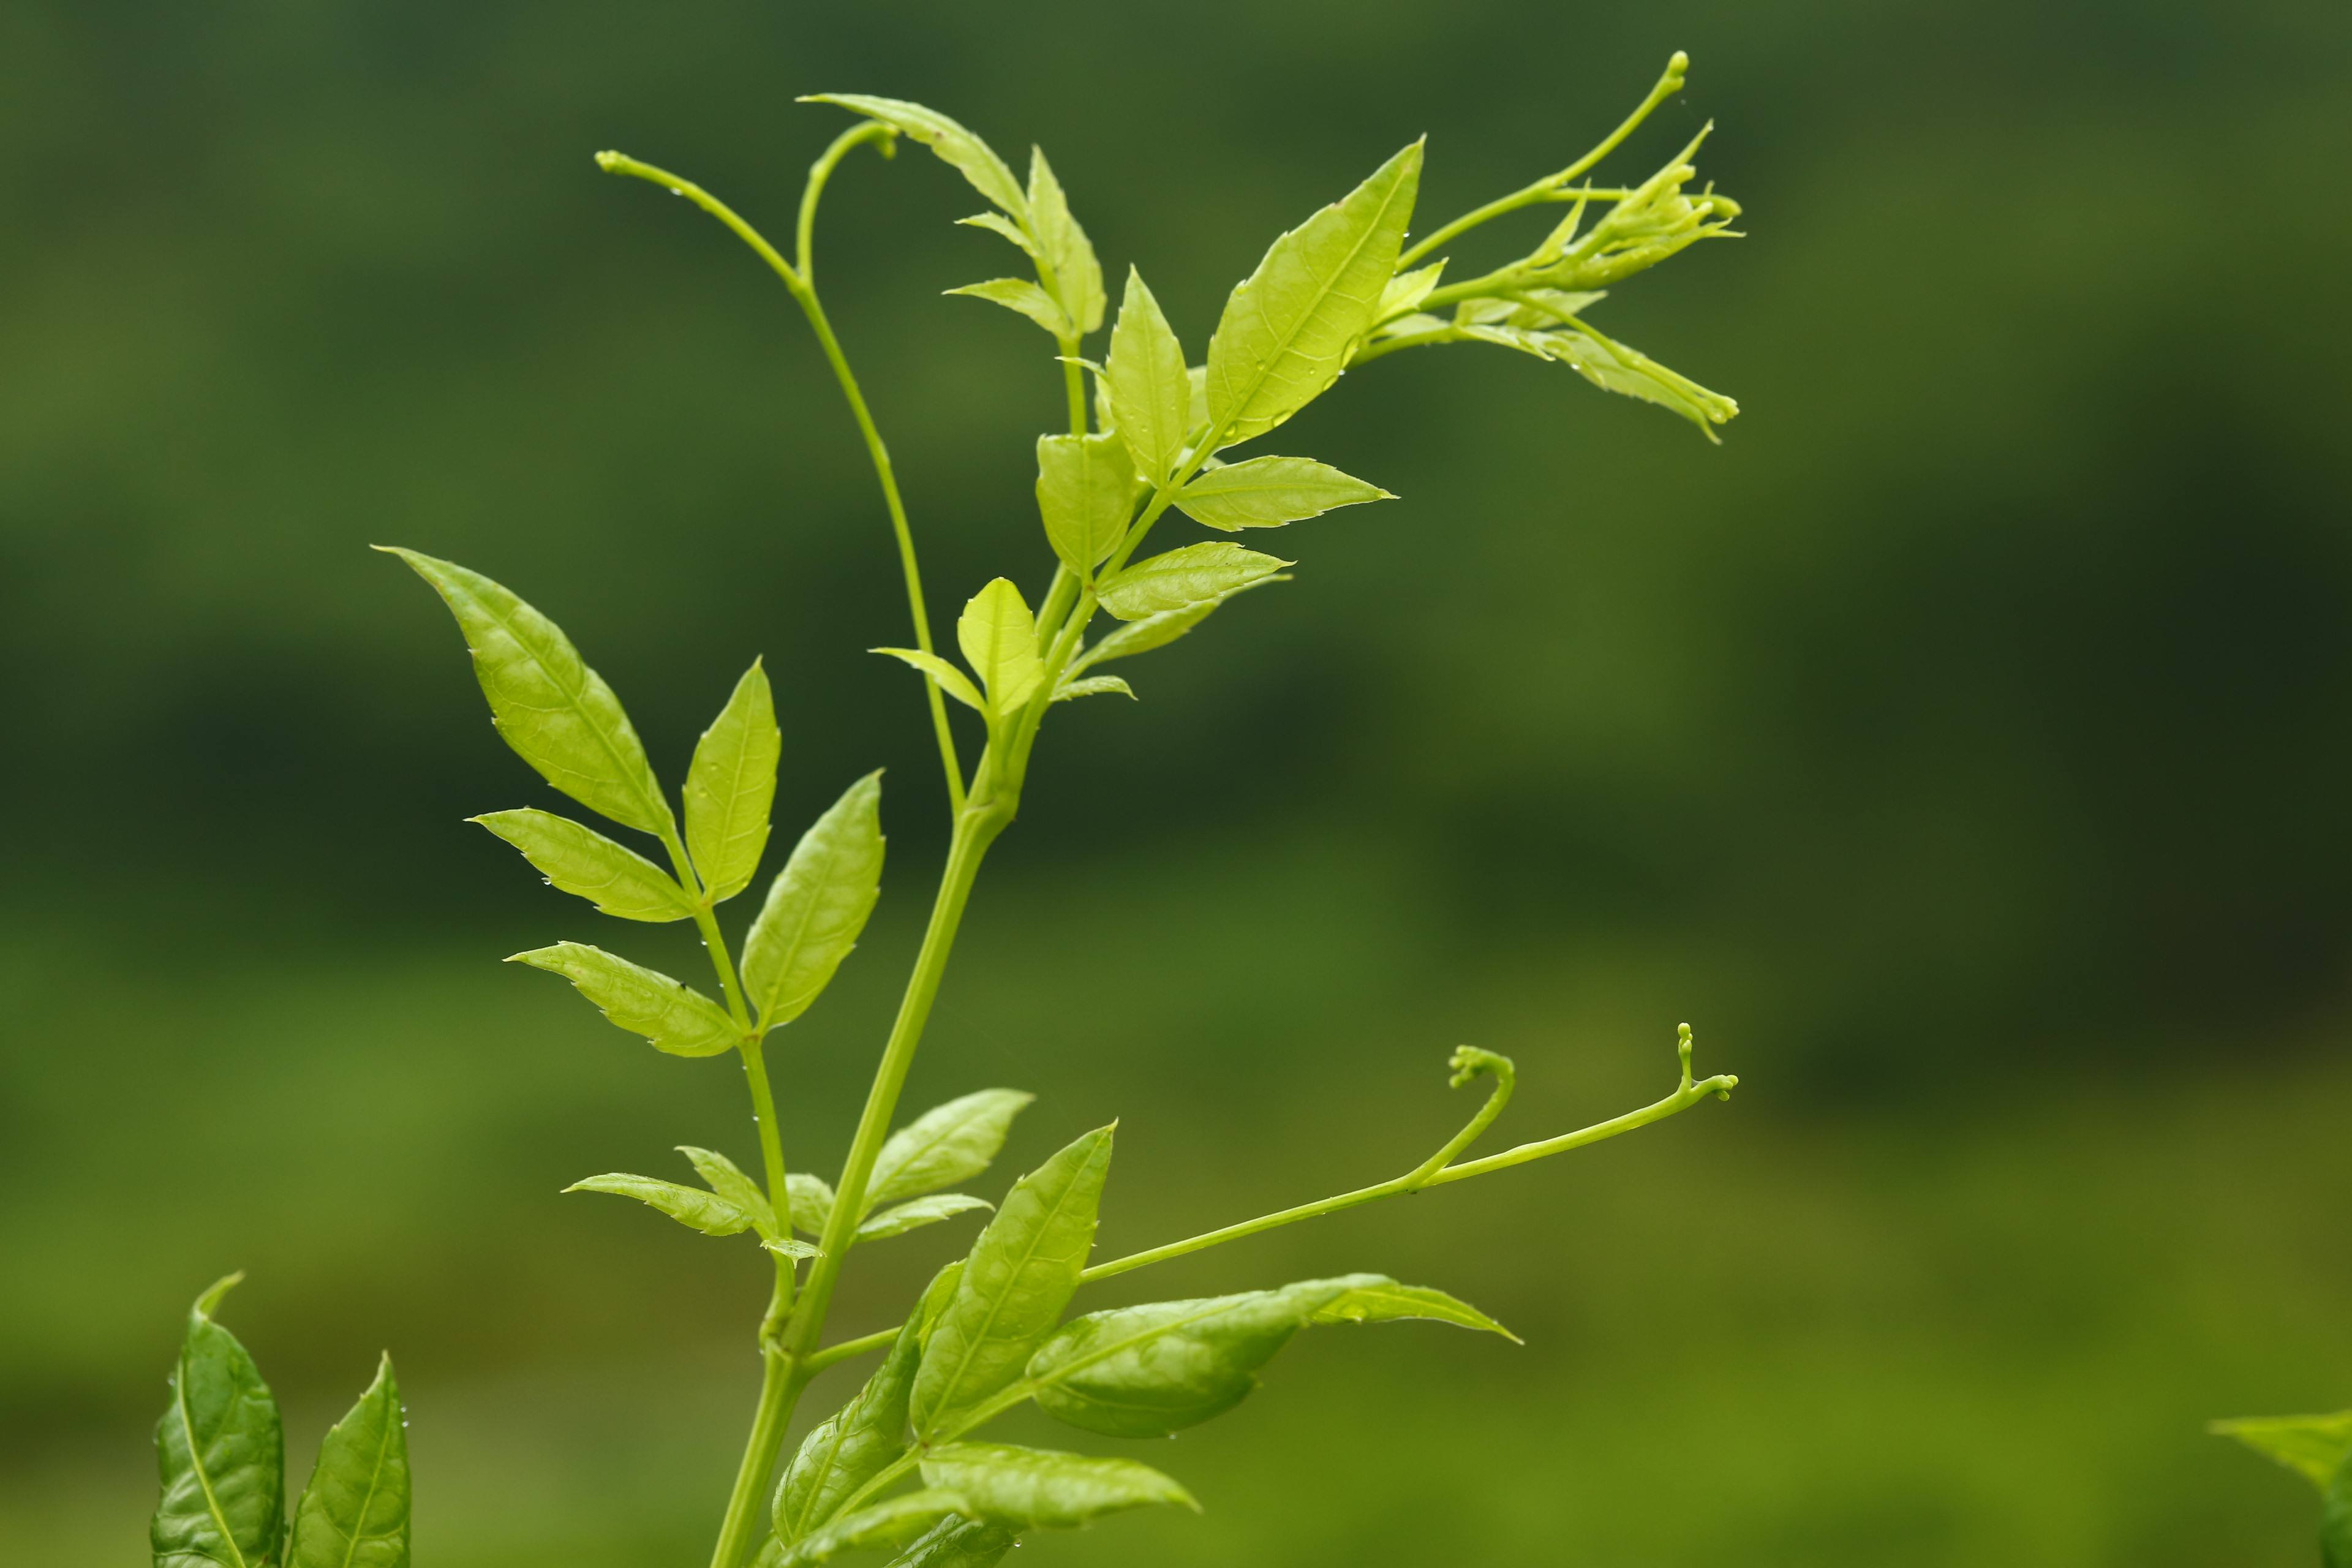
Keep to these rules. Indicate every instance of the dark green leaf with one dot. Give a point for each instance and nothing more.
(556, 712)
(1023, 296)
(1086, 491)
(1195, 574)
(221, 1452)
(1063, 247)
(883, 1524)
(946, 1145)
(726, 1178)
(958, 1543)
(674, 1017)
(2315, 1447)
(354, 1511)
(999, 638)
(966, 152)
(1037, 1488)
(907, 1216)
(1267, 493)
(952, 681)
(691, 1206)
(816, 907)
(1018, 1278)
(1386, 1301)
(856, 1443)
(1149, 391)
(618, 880)
(1289, 328)
(732, 787)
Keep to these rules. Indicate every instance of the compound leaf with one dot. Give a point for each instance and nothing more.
(999, 638)
(690, 1206)
(1020, 295)
(1037, 1488)
(1267, 493)
(812, 1201)
(1148, 384)
(856, 1443)
(1093, 686)
(1063, 247)
(971, 156)
(1386, 1301)
(556, 712)
(1290, 326)
(354, 1511)
(1086, 487)
(952, 681)
(2315, 1447)
(930, 1210)
(732, 787)
(958, 1543)
(222, 1454)
(816, 907)
(946, 1145)
(884, 1523)
(1018, 1278)
(726, 1178)
(577, 859)
(1182, 578)
(672, 1017)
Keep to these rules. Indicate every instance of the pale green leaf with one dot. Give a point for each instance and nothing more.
(2315, 1446)
(1196, 404)
(1154, 631)
(958, 1543)
(556, 712)
(952, 681)
(1181, 578)
(999, 638)
(1093, 686)
(792, 1246)
(353, 1513)
(1404, 292)
(856, 1443)
(1613, 367)
(1085, 490)
(727, 1179)
(222, 1454)
(672, 1017)
(947, 1144)
(1267, 493)
(884, 1523)
(690, 1206)
(966, 153)
(816, 907)
(1289, 328)
(1021, 296)
(577, 859)
(922, 1211)
(1016, 1280)
(732, 787)
(997, 223)
(1386, 1301)
(812, 1200)
(1149, 386)
(1063, 247)
(1037, 1488)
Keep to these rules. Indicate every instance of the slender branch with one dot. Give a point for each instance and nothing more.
(1541, 190)
(820, 173)
(802, 291)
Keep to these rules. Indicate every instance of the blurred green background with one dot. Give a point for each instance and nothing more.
(1961, 747)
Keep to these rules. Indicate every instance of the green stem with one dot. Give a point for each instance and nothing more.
(1542, 190)
(779, 1388)
(805, 294)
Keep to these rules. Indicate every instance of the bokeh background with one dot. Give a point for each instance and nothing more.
(1961, 747)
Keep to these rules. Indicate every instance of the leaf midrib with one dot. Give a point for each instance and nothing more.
(987, 1324)
(1265, 366)
(197, 1463)
(657, 807)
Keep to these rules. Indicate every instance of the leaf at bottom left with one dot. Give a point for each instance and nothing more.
(222, 1454)
(354, 1512)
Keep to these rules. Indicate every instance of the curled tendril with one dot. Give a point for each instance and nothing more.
(1722, 1083)
(1468, 1063)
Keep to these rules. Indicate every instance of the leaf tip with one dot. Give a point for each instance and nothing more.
(211, 1299)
